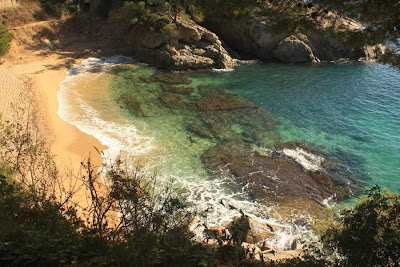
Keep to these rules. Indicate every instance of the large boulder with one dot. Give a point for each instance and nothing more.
(190, 46)
(293, 50)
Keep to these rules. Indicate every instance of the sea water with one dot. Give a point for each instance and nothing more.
(349, 110)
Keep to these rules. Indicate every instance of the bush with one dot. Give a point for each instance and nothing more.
(55, 8)
(39, 223)
(368, 234)
(5, 39)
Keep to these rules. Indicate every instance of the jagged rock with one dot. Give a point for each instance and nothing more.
(252, 251)
(281, 255)
(293, 50)
(189, 31)
(252, 37)
(191, 47)
(216, 232)
(250, 230)
(296, 245)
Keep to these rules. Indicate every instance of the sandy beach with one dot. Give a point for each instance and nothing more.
(35, 80)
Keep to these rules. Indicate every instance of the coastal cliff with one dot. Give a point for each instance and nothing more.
(254, 38)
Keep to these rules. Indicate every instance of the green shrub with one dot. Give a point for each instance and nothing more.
(5, 39)
(55, 8)
(368, 234)
(150, 14)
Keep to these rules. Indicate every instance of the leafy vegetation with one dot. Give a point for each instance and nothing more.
(368, 234)
(56, 8)
(381, 20)
(151, 15)
(5, 39)
(224, 8)
(129, 221)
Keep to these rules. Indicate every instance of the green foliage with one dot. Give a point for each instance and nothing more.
(224, 8)
(56, 8)
(36, 232)
(40, 226)
(152, 229)
(130, 220)
(288, 17)
(5, 39)
(150, 14)
(368, 234)
(380, 18)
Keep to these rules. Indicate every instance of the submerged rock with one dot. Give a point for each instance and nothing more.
(200, 130)
(276, 180)
(171, 78)
(221, 101)
(172, 100)
(134, 105)
(177, 89)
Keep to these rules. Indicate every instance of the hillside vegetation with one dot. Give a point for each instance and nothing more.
(5, 40)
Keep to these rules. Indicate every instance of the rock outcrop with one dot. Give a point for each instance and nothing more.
(292, 177)
(188, 46)
(252, 38)
(294, 50)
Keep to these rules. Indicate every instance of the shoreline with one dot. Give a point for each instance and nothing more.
(39, 78)
(69, 144)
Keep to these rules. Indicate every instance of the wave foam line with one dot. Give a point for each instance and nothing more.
(117, 136)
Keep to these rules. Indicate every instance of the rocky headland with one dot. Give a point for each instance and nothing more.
(187, 45)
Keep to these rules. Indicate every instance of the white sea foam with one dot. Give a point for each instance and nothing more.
(223, 70)
(88, 120)
(247, 61)
(306, 159)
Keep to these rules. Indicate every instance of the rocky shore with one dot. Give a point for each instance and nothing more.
(256, 38)
(190, 46)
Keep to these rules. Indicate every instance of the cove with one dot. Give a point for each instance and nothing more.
(207, 130)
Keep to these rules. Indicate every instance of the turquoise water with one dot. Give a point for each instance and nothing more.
(351, 110)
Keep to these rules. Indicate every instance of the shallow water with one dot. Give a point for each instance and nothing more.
(349, 110)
